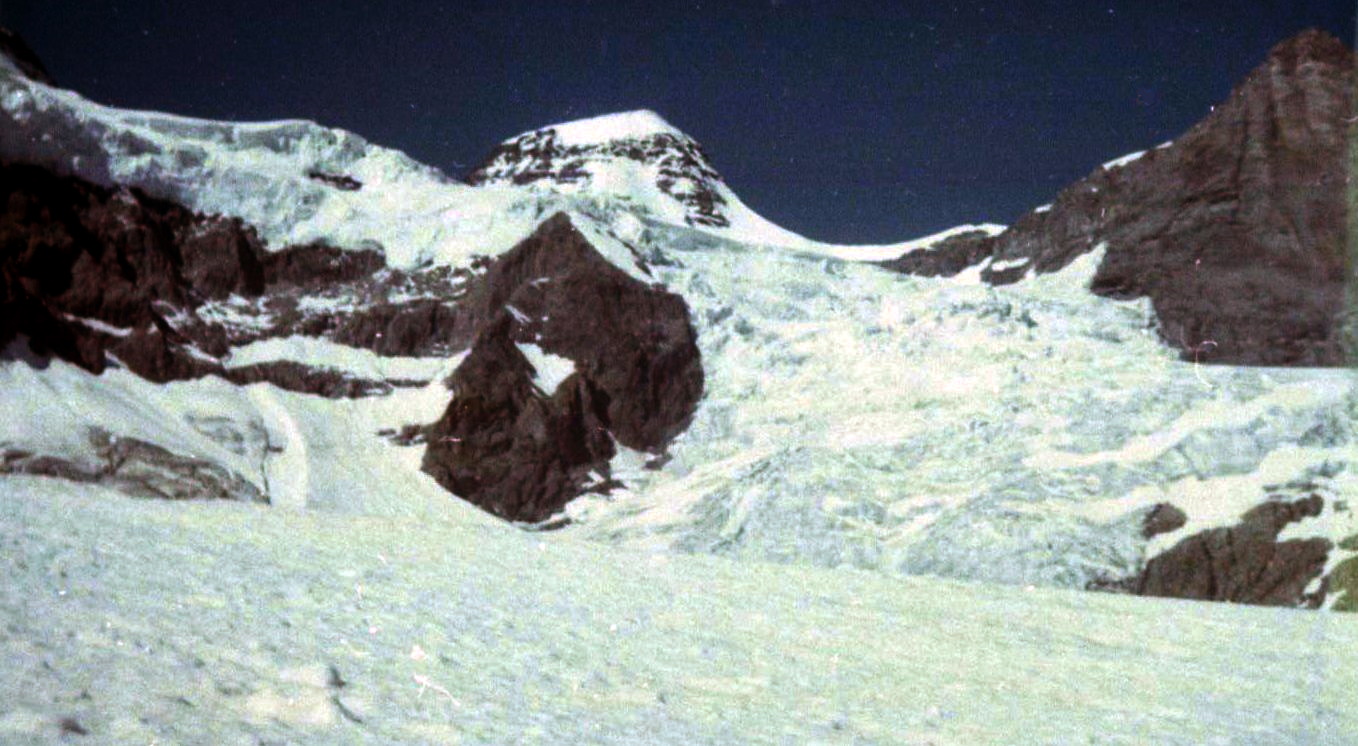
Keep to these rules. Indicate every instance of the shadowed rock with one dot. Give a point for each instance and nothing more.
(522, 452)
(1244, 563)
(1163, 518)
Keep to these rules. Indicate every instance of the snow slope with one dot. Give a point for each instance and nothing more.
(301, 451)
(265, 173)
(238, 623)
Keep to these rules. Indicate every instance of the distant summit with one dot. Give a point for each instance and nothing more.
(624, 125)
(636, 152)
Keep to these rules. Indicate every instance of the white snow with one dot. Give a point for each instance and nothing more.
(1000, 266)
(100, 326)
(227, 623)
(1124, 160)
(322, 353)
(608, 127)
(1131, 157)
(856, 417)
(884, 252)
(852, 416)
(258, 172)
(1043, 208)
(300, 449)
(549, 370)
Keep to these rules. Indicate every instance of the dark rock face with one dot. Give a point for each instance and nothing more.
(945, 258)
(418, 327)
(1163, 518)
(522, 453)
(317, 264)
(13, 47)
(90, 272)
(71, 250)
(684, 171)
(1236, 231)
(1244, 563)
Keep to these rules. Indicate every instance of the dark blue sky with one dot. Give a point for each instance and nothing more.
(849, 121)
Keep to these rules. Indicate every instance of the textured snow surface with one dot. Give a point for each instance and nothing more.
(1014, 434)
(150, 622)
(1124, 160)
(300, 450)
(548, 370)
(260, 173)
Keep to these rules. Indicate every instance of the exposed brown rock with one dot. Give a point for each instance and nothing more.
(684, 172)
(326, 382)
(1236, 231)
(1244, 563)
(75, 255)
(522, 453)
(420, 327)
(1163, 518)
(945, 258)
(71, 250)
(318, 264)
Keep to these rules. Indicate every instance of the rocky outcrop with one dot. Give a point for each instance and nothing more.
(1235, 231)
(317, 264)
(1244, 563)
(522, 451)
(339, 181)
(92, 275)
(73, 253)
(1162, 518)
(141, 469)
(945, 258)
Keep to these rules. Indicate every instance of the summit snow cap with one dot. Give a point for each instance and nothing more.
(623, 125)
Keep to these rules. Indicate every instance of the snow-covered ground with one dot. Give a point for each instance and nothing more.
(149, 622)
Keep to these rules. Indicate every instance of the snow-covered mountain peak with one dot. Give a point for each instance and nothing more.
(635, 154)
(623, 125)
(637, 160)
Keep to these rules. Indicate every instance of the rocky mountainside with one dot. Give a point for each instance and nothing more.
(1236, 231)
(596, 336)
(564, 155)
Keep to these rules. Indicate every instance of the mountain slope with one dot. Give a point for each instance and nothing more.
(146, 621)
